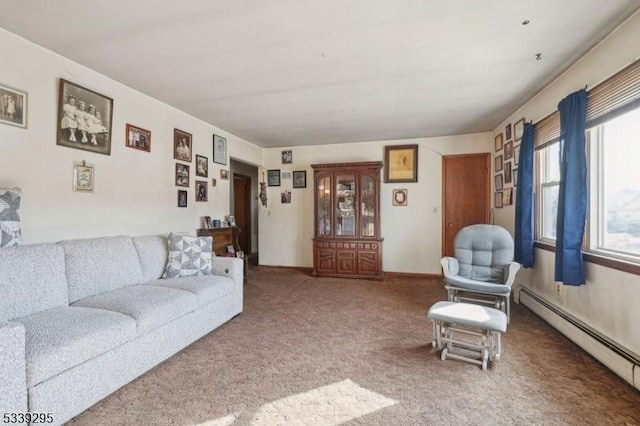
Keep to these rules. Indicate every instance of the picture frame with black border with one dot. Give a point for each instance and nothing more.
(182, 177)
(287, 156)
(182, 198)
(182, 146)
(498, 182)
(202, 191)
(498, 163)
(507, 172)
(401, 163)
(507, 132)
(13, 107)
(299, 178)
(273, 177)
(219, 150)
(202, 166)
(508, 151)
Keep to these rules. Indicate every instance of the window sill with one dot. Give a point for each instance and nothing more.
(620, 265)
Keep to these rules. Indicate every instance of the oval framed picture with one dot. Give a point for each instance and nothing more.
(399, 197)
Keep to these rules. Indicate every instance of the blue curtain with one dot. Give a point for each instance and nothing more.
(524, 201)
(572, 200)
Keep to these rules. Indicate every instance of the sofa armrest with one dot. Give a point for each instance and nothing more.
(510, 271)
(233, 268)
(450, 266)
(13, 369)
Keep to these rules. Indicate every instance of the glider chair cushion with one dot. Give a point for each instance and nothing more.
(482, 266)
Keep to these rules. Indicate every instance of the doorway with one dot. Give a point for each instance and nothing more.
(242, 209)
(466, 191)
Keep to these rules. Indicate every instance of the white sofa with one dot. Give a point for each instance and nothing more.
(81, 318)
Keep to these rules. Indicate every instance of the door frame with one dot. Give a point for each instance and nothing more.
(247, 207)
(487, 214)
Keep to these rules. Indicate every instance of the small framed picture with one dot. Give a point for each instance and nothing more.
(219, 150)
(13, 107)
(207, 222)
(285, 197)
(84, 119)
(507, 172)
(138, 138)
(202, 166)
(516, 154)
(498, 142)
(182, 142)
(507, 131)
(287, 157)
(231, 249)
(299, 178)
(497, 181)
(83, 177)
(224, 174)
(508, 151)
(497, 199)
(182, 175)
(231, 220)
(497, 164)
(286, 175)
(214, 182)
(273, 177)
(507, 196)
(401, 163)
(399, 197)
(518, 129)
(202, 189)
(182, 198)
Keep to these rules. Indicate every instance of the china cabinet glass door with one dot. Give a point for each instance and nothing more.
(368, 206)
(324, 206)
(345, 205)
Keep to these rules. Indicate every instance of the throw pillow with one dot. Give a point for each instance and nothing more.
(10, 228)
(188, 256)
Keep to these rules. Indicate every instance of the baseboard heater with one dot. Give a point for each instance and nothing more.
(623, 362)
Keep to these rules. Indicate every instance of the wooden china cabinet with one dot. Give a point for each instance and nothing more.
(347, 239)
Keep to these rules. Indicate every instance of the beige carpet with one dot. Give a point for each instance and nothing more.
(333, 351)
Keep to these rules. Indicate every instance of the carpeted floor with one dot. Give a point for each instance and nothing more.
(334, 351)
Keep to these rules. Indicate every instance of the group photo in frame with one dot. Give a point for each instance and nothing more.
(273, 177)
(299, 178)
(84, 118)
(138, 138)
(401, 163)
(182, 175)
(287, 156)
(182, 143)
(219, 150)
(13, 107)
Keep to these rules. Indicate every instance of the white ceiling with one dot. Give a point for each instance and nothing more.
(303, 72)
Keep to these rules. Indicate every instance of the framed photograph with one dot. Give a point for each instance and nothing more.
(214, 182)
(507, 172)
(497, 199)
(399, 197)
(182, 198)
(273, 177)
(207, 222)
(231, 249)
(299, 178)
(498, 141)
(84, 119)
(497, 181)
(497, 164)
(515, 177)
(516, 155)
(83, 177)
(286, 175)
(202, 166)
(182, 143)
(138, 138)
(285, 197)
(13, 107)
(202, 193)
(231, 220)
(518, 129)
(219, 150)
(507, 131)
(508, 151)
(224, 174)
(507, 196)
(182, 175)
(401, 163)
(287, 157)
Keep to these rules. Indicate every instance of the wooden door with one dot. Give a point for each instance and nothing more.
(242, 210)
(466, 188)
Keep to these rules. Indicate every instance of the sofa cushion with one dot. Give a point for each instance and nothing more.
(207, 289)
(10, 228)
(99, 265)
(150, 306)
(153, 254)
(61, 338)
(188, 256)
(32, 279)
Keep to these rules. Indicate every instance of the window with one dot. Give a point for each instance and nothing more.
(548, 160)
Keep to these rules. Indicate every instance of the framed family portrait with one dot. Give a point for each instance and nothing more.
(202, 193)
(84, 119)
(287, 157)
(138, 138)
(219, 150)
(83, 177)
(182, 198)
(13, 107)
(401, 163)
(299, 178)
(182, 142)
(182, 175)
(273, 177)
(202, 166)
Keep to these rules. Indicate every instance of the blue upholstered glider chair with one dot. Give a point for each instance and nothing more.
(483, 269)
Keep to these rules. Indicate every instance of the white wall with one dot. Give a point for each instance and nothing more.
(134, 190)
(609, 300)
(412, 235)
